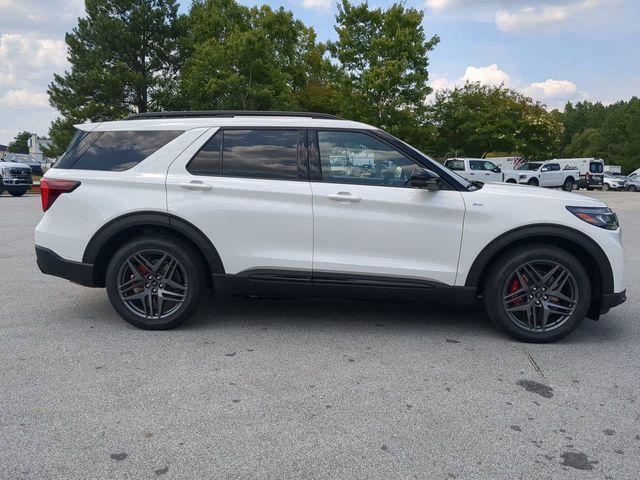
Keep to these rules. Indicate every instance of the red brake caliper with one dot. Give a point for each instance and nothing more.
(513, 288)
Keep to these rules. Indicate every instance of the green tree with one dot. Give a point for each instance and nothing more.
(580, 117)
(19, 143)
(121, 54)
(237, 57)
(613, 133)
(384, 55)
(475, 120)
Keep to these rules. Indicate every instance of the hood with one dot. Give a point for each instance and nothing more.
(14, 164)
(538, 193)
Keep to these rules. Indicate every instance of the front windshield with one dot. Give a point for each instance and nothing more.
(529, 166)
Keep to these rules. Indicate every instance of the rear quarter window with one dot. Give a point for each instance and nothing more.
(114, 151)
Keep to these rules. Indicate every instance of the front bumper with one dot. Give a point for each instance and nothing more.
(17, 182)
(610, 300)
(51, 263)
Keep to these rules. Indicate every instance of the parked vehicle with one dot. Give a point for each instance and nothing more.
(34, 165)
(15, 178)
(591, 171)
(301, 204)
(614, 182)
(632, 182)
(543, 174)
(476, 169)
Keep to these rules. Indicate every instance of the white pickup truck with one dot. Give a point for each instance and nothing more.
(539, 174)
(543, 174)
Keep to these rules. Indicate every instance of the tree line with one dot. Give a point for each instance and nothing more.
(131, 56)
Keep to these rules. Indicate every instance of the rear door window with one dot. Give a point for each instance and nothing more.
(260, 153)
(596, 167)
(114, 150)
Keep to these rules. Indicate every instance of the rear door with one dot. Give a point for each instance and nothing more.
(247, 189)
(369, 223)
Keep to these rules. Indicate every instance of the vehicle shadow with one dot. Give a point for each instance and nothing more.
(341, 315)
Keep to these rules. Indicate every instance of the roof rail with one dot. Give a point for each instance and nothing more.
(229, 113)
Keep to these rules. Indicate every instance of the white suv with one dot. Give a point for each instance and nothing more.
(161, 207)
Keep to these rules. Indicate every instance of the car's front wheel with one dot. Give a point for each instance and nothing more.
(633, 188)
(537, 293)
(605, 187)
(17, 193)
(156, 283)
(533, 182)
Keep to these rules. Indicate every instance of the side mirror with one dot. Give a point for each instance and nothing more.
(423, 178)
(497, 170)
(544, 169)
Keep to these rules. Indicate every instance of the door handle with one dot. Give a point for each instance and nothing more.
(343, 197)
(196, 185)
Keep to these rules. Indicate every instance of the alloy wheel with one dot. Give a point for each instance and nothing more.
(540, 296)
(152, 284)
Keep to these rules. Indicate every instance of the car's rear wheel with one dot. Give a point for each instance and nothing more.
(537, 293)
(156, 283)
(533, 182)
(511, 180)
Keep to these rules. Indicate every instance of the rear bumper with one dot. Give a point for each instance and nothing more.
(51, 263)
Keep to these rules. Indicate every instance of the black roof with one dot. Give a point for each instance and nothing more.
(230, 113)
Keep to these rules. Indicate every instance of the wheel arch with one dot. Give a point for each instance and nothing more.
(118, 231)
(588, 252)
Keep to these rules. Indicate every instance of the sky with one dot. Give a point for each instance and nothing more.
(553, 50)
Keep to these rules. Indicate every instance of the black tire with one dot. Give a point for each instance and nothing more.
(633, 188)
(569, 185)
(511, 180)
(192, 271)
(589, 189)
(17, 193)
(499, 282)
(533, 182)
(605, 187)
(1, 186)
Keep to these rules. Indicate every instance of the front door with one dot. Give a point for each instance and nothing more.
(484, 171)
(369, 222)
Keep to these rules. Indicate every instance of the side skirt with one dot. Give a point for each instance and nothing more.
(295, 284)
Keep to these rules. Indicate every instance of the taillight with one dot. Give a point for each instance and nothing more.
(51, 189)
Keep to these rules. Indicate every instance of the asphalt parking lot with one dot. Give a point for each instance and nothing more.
(271, 389)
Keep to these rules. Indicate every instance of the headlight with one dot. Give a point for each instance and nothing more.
(601, 217)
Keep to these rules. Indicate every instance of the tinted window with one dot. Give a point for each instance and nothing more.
(596, 167)
(260, 154)
(116, 150)
(455, 165)
(352, 157)
(553, 167)
(79, 143)
(207, 160)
